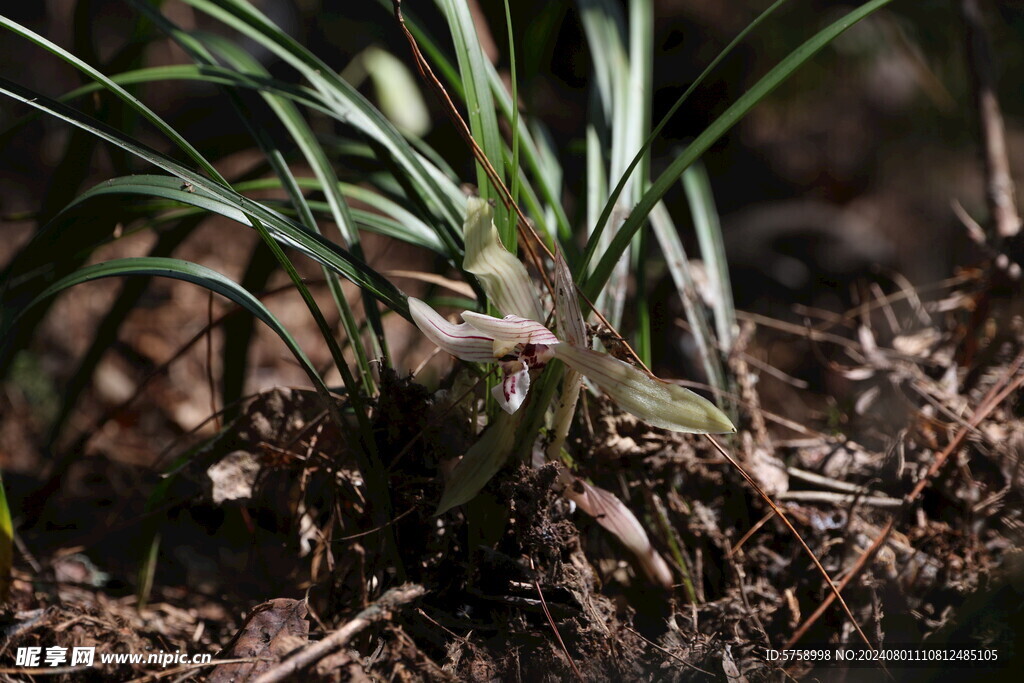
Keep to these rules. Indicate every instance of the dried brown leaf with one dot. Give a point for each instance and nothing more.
(270, 632)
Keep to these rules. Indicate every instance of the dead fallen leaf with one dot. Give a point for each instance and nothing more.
(270, 632)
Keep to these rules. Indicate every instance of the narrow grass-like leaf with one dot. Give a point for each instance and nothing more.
(435, 167)
(106, 332)
(514, 168)
(782, 71)
(597, 177)
(189, 272)
(412, 228)
(315, 155)
(162, 186)
(530, 203)
(147, 572)
(537, 150)
(200, 191)
(644, 150)
(346, 104)
(682, 276)
(640, 94)
(388, 218)
(218, 283)
(6, 545)
(636, 124)
(238, 331)
(543, 163)
(603, 26)
(482, 117)
(712, 251)
(297, 126)
(210, 74)
(606, 33)
(116, 89)
(369, 221)
(641, 303)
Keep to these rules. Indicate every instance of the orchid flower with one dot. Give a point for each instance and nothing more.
(520, 346)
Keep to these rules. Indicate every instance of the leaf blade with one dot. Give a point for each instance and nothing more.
(603, 270)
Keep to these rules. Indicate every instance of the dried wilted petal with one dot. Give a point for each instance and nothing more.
(612, 514)
(572, 327)
(571, 324)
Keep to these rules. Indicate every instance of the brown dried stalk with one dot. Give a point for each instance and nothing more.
(999, 187)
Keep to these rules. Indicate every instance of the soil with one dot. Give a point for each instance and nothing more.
(262, 538)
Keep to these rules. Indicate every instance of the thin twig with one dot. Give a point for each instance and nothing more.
(796, 534)
(750, 532)
(667, 652)
(392, 599)
(907, 292)
(374, 530)
(829, 482)
(554, 627)
(427, 73)
(799, 330)
(840, 499)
